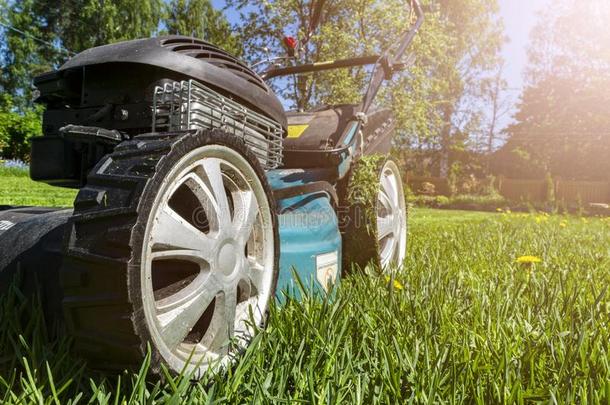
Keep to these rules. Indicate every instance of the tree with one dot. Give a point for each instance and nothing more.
(87, 23)
(562, 124)
(27, 49)
(434, 101)
(263, 25)
(499, 106)
(467, 65)
(198, 18)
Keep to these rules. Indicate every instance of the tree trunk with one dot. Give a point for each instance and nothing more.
(444, 162)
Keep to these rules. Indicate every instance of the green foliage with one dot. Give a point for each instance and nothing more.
(198, 18)
(466, 64)
(7, 172)
(470, 325)
(23, 57)
(83, 24)
(365, 180)
(17, 128)
(264, 23)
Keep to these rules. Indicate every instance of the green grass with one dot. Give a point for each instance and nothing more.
(464, 323)
(16, 188)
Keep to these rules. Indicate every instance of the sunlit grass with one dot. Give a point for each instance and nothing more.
(16, 188)
(468, 324)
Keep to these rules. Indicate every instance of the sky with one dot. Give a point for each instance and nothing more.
(519, 18)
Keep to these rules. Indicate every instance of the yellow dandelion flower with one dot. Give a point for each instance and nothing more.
(397, 284)
(563, 224)
(528, 259)
(499, 209)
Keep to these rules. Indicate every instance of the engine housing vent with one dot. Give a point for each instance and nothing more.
(199, 49)
(190, 105)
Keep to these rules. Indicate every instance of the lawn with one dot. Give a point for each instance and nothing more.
(16, 188)
(463, 322)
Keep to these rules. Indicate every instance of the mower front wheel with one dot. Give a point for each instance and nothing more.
(174, 246)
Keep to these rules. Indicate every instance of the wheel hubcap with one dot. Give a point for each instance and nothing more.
(209, 260)
(227, 259)
(391, 217)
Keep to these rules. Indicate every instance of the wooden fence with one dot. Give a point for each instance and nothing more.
(523, 190)
(569, 191)
(587, 191)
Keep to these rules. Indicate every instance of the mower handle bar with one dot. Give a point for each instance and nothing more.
(385, 64)
(408, 36)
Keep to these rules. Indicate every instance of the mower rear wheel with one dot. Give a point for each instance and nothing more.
(375, 224)
(391, 216)
(173, 245)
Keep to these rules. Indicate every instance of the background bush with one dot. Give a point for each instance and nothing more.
(17, 128)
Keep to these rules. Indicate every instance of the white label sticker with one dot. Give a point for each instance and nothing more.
(5, 225)
(326, 269)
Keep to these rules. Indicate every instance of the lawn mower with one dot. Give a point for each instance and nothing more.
(200, 199)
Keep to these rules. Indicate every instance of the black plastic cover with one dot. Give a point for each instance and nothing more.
(325, 127)
(192, 58)
(31, 242)
(318, 144)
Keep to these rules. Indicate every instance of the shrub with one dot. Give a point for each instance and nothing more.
(16, 130)
(427, 188)
(478, 202)
(463, 202)
(431, 201)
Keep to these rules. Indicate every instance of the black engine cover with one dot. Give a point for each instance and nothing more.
(191, 58)
(111, 87)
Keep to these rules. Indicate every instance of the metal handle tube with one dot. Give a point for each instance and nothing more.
(410, 35)
(385, 63)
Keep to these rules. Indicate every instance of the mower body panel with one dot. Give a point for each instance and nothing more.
(31, 240)
(322, 129)
(310, 240)
(327, 137)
